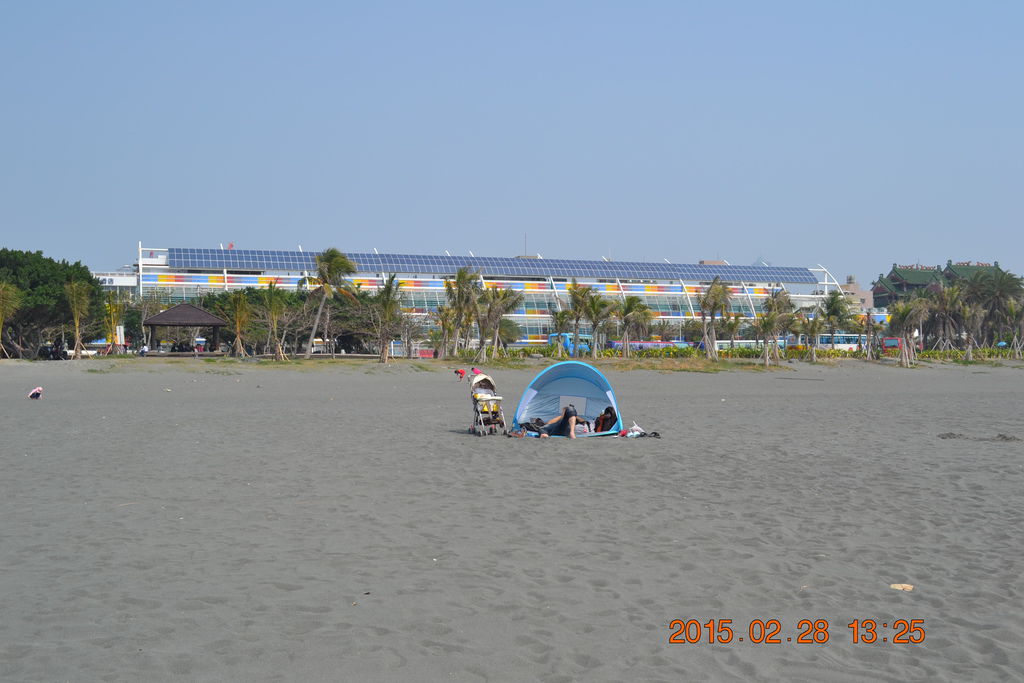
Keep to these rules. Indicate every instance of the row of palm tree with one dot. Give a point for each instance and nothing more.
(468, 303)
(631, 314)
(983, 310)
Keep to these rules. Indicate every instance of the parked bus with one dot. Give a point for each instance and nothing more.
(565, 338)
(843, 341)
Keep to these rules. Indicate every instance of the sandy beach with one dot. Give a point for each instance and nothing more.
(193, 521)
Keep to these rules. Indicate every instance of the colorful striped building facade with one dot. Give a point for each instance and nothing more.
(670, 290)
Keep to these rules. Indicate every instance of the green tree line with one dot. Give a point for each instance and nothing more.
(42, 300)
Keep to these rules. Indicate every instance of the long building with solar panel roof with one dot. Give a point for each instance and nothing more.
(671, 290)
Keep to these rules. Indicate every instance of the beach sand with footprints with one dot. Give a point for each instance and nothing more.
(193, 521)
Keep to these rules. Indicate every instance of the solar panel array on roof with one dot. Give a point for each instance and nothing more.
(293, 261)
(241, 259)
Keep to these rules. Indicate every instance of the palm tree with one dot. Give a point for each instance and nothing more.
(767, 325)
(113, 318)
(662, 329)
(238, 307)
(692, 329)
(561, 322)
(713, 301)
(899, 316)
(410, 328)
(871, 330)
(971, 316)
(274, 302)
(946, 307)
(779, 301)
(444, 316)
(1000, 288)
(635, 316)
(489, 313)
(508, 301)
(729, 326)
(810, 326)
(598, 312)
(494, 305)
(578, 297)
(385, 314)
(78, 293)
(462, 292)
(509, 332)
(331, 268)
(1015, 322)
(920, 307)
(836, 311)
(904, 319)
(10, 301)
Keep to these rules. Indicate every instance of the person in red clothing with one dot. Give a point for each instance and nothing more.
(461, 373)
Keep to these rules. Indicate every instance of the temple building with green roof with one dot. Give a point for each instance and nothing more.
(903, 281)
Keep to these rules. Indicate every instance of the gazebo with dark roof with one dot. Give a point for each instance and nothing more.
(185, 315)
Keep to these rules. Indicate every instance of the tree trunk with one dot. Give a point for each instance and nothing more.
(316, 324)
(481, 353)
(77, 353)
(706, 339)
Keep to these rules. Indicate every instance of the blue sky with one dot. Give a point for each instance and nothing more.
(848, 134)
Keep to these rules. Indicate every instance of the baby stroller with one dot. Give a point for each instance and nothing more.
(488, 417)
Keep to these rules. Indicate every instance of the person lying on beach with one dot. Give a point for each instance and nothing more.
(562, 425)
(606, 420)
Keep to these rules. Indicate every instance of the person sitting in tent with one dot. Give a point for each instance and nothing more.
(562, 425)
(606, 420)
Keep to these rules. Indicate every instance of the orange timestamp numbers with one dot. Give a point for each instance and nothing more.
(809, 631)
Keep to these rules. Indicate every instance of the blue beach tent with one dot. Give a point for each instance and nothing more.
(573, 382)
